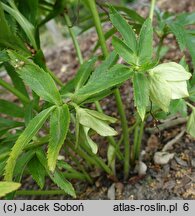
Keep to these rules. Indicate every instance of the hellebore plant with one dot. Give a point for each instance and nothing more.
(59, 109)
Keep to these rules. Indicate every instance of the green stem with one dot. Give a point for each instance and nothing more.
(13, 90)
(129, 130)
(39, 192)
(77, 162)
(152, 5)
(141, 131)
(135, 142)
(81, 153)
(125, 129)
(190, 105)
(138, 139)
(96, 18)
(117, 150)
(99, 160)
(74, 39)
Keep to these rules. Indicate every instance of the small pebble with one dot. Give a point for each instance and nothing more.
(193, 162)
(181, 162)
(111, 192)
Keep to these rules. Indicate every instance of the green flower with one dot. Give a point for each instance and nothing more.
(168, 81)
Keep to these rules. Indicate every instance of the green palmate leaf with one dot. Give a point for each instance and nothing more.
(20, 168)
(145, 43)
(90, 142)
(3, 132)
(111, 152)
(13, 25)
(11, 109)
(21, 164)
(3, 56)
(62, 183)
(77, 130)
(141, 93)
(56, 177)
(179, 32)
(31, 6)
(99, 125)
(37, 171)
(183, 63)
(99, 96)
(184, 38)
(29, 114)
(14, 91)
(34, 76)
(123, 50)
(5, 146)
(191, 31)
(190, 39)
(131, 13)
(56, 10)
(101, 116)
(41, 83)
(115, 76)
(9, 140)
(59, 125)
(186, 18)
(32, 128)
(83, 73)
(191, 124)
(178, 106)
(160, 92)
(124, 28)
(7, 123)
(148, 66)
(8, 187)
(192, 94)
(89, 117)
(104, 66)
(4, 25)
(16, 80)
(2, 166)
(7, 38)
(28, 28)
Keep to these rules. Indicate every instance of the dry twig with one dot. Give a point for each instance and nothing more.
(167, 125)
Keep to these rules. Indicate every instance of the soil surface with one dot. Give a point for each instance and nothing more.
(175, 179)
